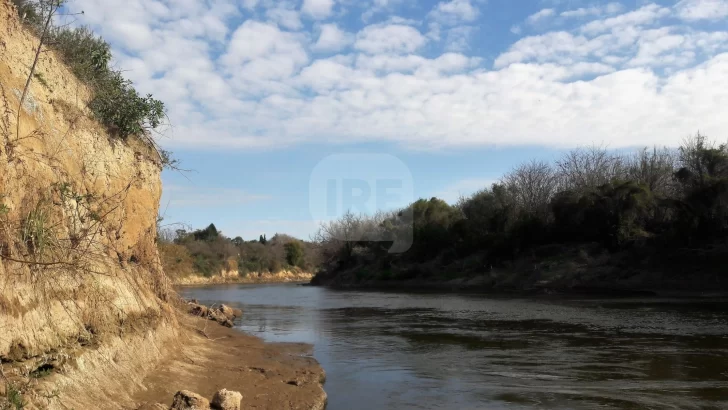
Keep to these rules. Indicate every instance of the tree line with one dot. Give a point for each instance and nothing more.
(207, 252)
(657, 198)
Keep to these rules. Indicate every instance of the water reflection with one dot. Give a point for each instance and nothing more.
(431, 351)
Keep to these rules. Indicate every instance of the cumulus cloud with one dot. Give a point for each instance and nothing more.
(693, 10)
(458, 38)
(285, 17)
(454, 12)
(250, 4)
(379, 6)
(624, 48)
(247, 75)
(263, 51)
(539, 16)
(332, 38)
(389, 38)
(318, 9)
(643, 16)
(594, 11)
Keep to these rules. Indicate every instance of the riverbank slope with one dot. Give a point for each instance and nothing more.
(86, 311)
(579, 269)
(211, 357)
(278, 277)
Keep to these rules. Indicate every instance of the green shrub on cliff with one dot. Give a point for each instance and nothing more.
(13, 399)
(118, 105)
(115, 102)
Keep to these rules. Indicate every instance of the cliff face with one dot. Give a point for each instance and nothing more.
(81, 285)
(284, 276)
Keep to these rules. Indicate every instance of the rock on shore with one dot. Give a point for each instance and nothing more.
(223, 314)
(186, 400)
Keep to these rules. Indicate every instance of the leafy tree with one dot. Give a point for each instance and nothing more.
(207, 252)
(208, 234)
(703, 177)
(432, 220)
(489, 214)
(294, 253)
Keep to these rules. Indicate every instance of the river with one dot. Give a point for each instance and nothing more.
(394, 350)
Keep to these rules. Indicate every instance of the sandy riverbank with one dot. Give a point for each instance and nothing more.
(211, 357)
(280, 277)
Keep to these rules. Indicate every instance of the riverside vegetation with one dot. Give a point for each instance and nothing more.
(657, 218)
(207, 253)
(88, 318)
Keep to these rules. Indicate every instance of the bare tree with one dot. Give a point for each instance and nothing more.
(585, 168)
(701, 159)
(653, 168)
(532, 186)
(340, 233)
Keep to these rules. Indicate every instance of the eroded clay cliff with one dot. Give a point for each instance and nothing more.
(83, 299)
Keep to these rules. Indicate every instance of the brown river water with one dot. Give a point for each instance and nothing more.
(395, 350)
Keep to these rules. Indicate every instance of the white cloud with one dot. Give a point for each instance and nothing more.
(635, 47)
(539, 16)
(380, 6)
(332, 38)
(389, 38)
(594, 11)
(693, 10)
(252, 85)
(286, 18)
(646, 15)
(318, 9)
(262, 51)
(516, 29)
(250, 4)
(454, 11)
(401, 20)
(458, 38)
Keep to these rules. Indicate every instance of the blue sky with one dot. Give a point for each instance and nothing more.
(260, 92)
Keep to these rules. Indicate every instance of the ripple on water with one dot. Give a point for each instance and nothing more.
(446, 351)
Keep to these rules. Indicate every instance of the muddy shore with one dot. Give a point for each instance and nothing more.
(211, 357)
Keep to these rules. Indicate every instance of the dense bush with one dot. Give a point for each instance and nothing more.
(294, 253)
(118, 105)
(660, 198)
